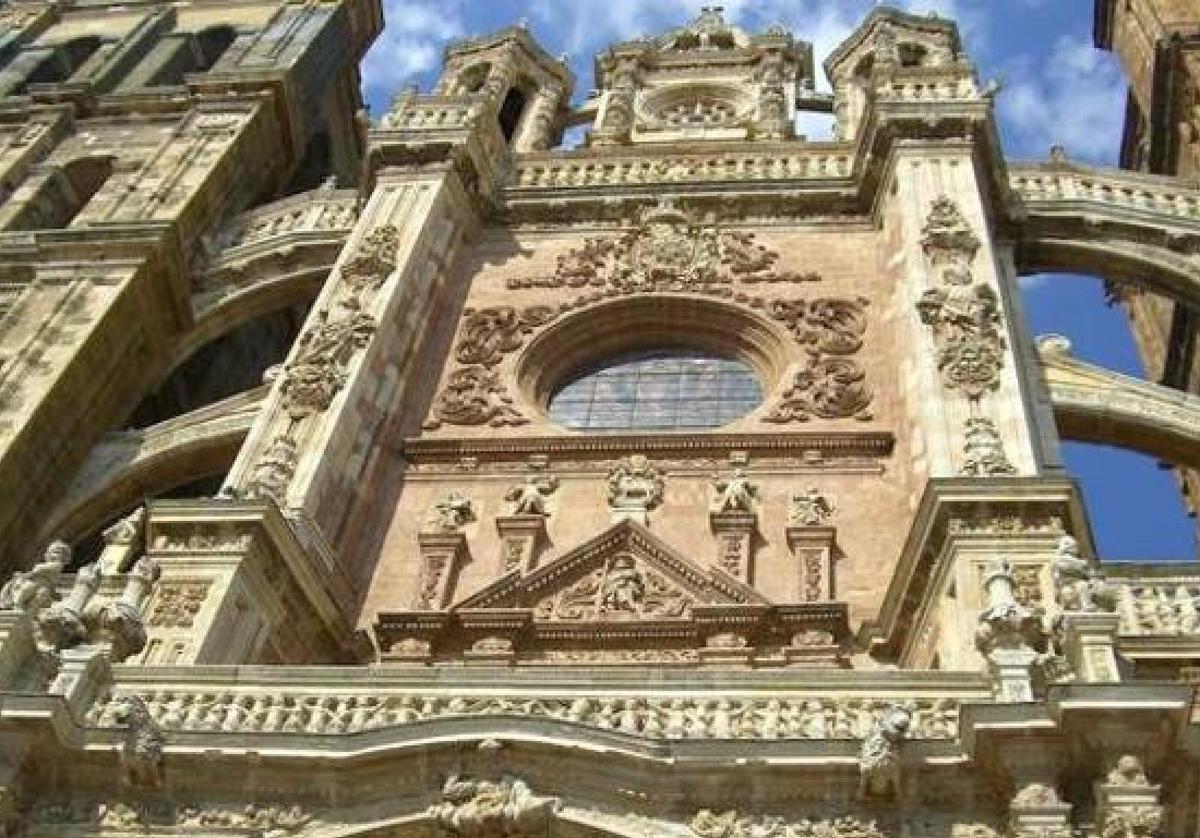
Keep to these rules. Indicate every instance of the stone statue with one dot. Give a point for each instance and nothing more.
(809, 508)
(62, 623)
(32, 590)
(120, 621)
(734, 493)
(450, 513)
(484, 809)
(1078, 585)
(127, 530)
(879, 758)
(1128, 771)
(142, 749)
(529, 497)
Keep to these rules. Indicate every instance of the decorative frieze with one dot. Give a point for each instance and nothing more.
(176, 604)
(656, 717)
(736, 824)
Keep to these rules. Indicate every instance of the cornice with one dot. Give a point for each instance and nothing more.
(828, 444)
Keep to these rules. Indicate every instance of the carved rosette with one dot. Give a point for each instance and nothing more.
(964, 315)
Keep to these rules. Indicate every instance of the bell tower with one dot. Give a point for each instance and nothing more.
(513, 80)
(708, 80)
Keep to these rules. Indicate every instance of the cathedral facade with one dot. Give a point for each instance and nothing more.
(418, 476)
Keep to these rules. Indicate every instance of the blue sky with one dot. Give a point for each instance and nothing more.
(1056, 89)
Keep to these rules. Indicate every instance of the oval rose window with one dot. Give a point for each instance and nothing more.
(657, 390)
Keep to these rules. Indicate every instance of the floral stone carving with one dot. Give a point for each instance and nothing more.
(485, 809)
(474, 396)
(666, 251)
(489, 334)
(964, 315)
(983, 450)
(831, 385)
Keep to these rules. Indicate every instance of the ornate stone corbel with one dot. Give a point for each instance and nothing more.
(443, 549)
(119, 623)
(1036, 811)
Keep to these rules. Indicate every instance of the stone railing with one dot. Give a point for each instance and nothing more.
(1167, 606)
(425, 113)
(1050, 184)
(321, 210)
(925, 90)
(662, 713)
(559, 171)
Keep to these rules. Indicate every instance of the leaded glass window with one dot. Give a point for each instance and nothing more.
(659, 390)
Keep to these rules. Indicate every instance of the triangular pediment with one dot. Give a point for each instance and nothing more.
(625, 573)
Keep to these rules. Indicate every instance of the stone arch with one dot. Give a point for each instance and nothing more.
(1113, 224)
(1092, 404)
(126, 467)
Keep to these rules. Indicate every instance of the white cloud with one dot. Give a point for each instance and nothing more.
(1076, 98)
(411, 43)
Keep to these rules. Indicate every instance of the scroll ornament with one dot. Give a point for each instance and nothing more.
(831, 385)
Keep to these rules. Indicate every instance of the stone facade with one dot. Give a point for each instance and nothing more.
(1157, 45)
(306, 535)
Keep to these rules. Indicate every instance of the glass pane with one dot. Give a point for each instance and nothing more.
(661, 390)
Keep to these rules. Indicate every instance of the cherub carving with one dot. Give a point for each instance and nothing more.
(734, 493)
(529, 496)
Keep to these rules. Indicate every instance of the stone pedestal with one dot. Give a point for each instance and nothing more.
(441, 556)
(522, 538)
(734, 531)
(1090, 645)
(1128, 810)
(1012, 673)
(1049, 819)
(814, 649)
(813, 549)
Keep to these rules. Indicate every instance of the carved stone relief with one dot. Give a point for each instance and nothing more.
(484, 809)
(666, 251)
(658, 717)
(983, 450)
(635, 487)
(623, 589)
(177, 603)
(317, 371)
(831, 385)
(734, 824)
